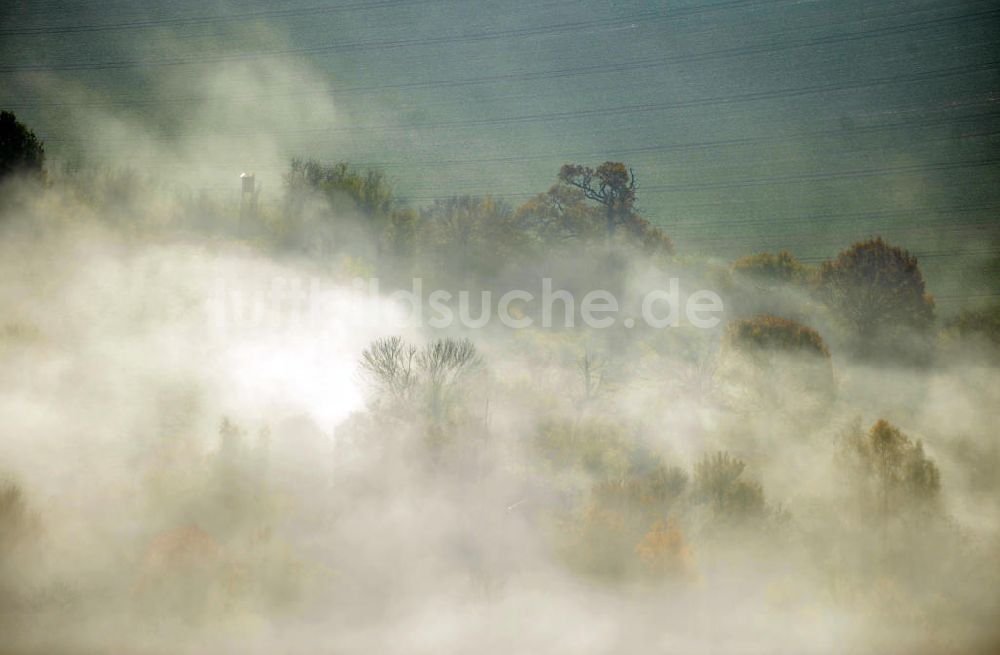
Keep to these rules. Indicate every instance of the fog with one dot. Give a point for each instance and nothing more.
(224, 429)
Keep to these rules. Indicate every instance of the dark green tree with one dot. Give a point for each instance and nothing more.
(20, 149)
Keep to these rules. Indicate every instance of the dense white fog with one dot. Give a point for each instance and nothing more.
(195, 479)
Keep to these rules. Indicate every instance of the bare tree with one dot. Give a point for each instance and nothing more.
(593, 371)
(444, 363)
(397, 369)
(388, 364)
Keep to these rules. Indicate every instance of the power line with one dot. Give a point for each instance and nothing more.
(782, 240)
(627, 109)
(837, 218)
(919, 254)
(699, 145)
(342, 47)
(702, 145)
(763, 181)
(966, 296)
(748, 182)
(774, 46)
(651, 17)
(204, 20)
(813, 177)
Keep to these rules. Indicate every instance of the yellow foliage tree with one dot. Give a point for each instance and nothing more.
(663, 550)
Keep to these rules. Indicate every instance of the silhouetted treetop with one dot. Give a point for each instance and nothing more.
(875, 289)
(20, 149)
(611, 185)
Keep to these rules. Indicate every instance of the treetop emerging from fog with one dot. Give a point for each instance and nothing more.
(20, 149)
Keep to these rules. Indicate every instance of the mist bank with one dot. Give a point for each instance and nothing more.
(792, 479)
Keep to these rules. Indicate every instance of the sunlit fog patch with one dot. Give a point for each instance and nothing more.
(295, 375)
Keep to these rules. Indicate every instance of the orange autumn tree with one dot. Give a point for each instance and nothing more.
(663, 550)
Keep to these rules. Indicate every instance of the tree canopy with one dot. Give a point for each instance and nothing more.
(769, 268)
(611, 185)
(774, 333)
(894, 472)
(368, 190)
(876, 290)
(20, 149)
